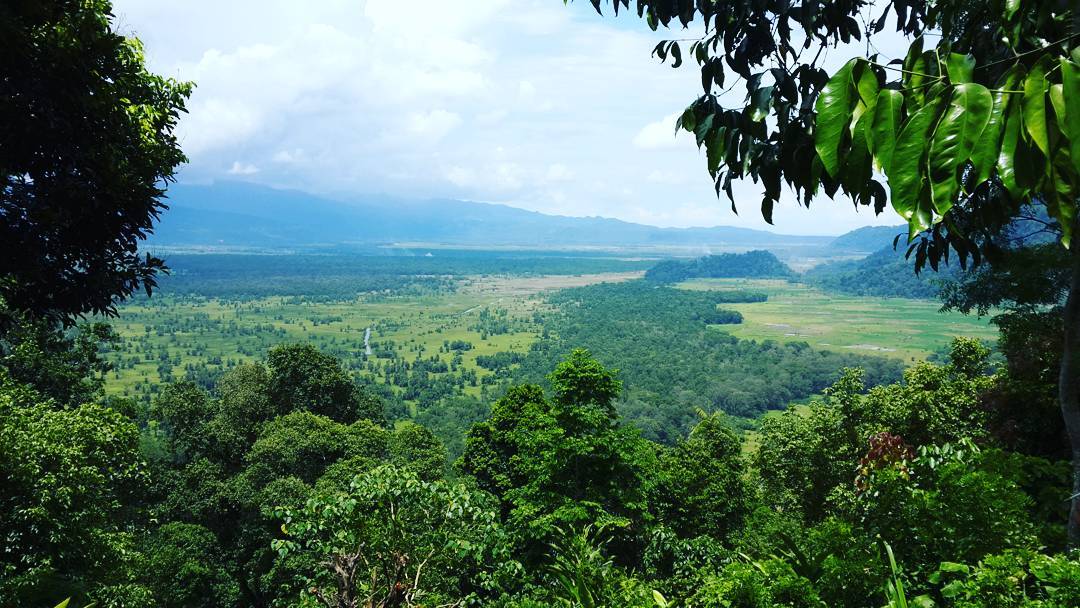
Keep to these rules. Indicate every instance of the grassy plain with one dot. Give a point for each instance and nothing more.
(167, 334)
(893, 327)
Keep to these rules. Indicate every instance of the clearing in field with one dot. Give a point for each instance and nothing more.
(892, 327)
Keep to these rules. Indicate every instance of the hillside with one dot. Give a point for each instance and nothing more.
(885, 273)
(244, 215)
(866, 239)
(752, 264)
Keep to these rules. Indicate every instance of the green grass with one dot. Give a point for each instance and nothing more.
(200, 331)
(893, 327)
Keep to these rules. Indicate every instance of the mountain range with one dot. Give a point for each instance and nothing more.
(242, 215)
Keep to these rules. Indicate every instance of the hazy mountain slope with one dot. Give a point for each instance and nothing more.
(867, 239)
(238, 214)
(884, 273)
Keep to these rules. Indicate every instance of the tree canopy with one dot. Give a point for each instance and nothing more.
(89, 146)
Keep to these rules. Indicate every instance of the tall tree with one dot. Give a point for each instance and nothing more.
(561, 463)
(88, 147)
(975, 123)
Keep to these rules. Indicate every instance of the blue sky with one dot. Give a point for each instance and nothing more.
(522, 102)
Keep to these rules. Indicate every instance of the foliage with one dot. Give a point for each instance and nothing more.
(177, 570)
(701, 488)
(1013, 578)
(966, 132)
(395, 540)
(416, 448)
(943, 506)
(743, 584)
(302, 378)
(585, 576)
(1030, 277)
(805, 455)
(978, 122)
(89, 145)
(562, 463)
(63, 366)
(257, 446)
(70, 478)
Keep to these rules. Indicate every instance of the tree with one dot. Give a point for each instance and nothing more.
(563, 463)
(89, 146)
(64, 366)
(416, 448)
(183, 570)
(805, 455)
(187, 413)
(1026, 292)
(70, 479)
(968, 132)
(702, 488)
(302, 378)
(395, 540)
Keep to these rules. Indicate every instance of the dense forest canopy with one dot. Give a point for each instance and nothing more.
(671, 348)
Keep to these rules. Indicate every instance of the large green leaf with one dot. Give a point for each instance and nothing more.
(886, 126)
(866, 86)
(988, 149)
(954, 139)
(715, 148)
(834, 108)
(1035, 87)
(961, 68)
(1011, 141)
(914, 68)
(1061, 204)
(1057, 100)
(1070, 124)
(856, 172)
(907, 176)
(1011, 6)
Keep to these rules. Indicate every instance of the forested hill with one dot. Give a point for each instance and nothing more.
(245, 215)
(884, 273)
(752, 264)
(866, 239)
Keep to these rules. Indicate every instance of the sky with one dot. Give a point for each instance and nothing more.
(527, 103)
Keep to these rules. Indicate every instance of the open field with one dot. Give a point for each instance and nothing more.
(893, 327)
(169, 337)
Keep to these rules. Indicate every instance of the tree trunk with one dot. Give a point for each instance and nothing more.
(1069, 390)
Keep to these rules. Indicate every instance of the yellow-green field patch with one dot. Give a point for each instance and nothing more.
(892, 327)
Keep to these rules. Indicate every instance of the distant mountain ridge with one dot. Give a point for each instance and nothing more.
(246, 215)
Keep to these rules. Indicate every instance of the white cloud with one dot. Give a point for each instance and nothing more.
(658, 134)
(559, 173)
(295, 155)
(527, 102)
(239, 168)
(433, 125)
(460, 176)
